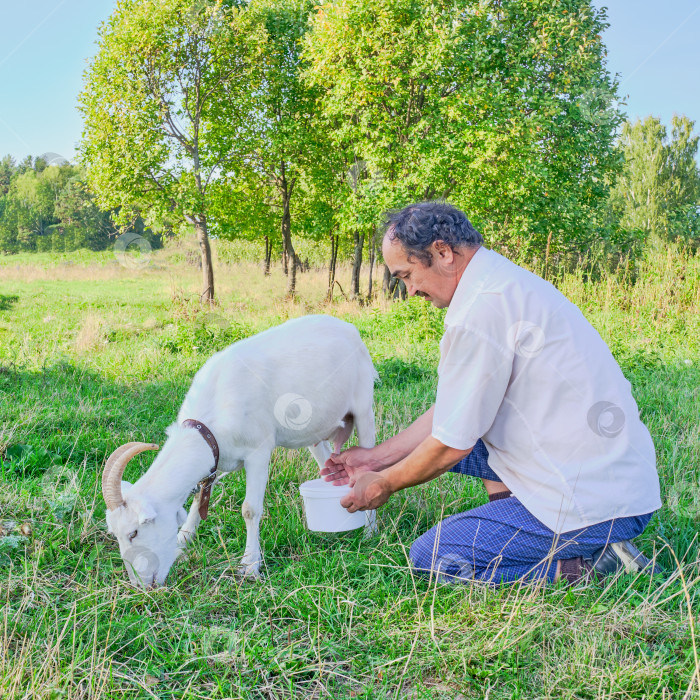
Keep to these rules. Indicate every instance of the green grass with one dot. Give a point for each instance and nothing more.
(93, 355)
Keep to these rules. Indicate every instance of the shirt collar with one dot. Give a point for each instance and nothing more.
(470, 283)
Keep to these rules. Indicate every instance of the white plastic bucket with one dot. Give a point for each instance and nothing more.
(324, 512)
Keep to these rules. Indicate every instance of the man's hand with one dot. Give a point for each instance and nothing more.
(371, 490)
(344, 468)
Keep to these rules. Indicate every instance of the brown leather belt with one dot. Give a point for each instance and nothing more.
(206, 483)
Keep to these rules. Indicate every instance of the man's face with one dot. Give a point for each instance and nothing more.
(437, 283)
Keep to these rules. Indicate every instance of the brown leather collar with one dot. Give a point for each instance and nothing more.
(207, 482)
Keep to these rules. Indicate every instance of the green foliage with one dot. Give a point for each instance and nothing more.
(24, 461)
(505, 107)
(290, 120)
(658, 192)
(48, 208)
(163, 102)
(204, 336)
(289, 155)
(398, 373)
(414, 317)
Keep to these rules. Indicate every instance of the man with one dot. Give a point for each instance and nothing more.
(530, 400)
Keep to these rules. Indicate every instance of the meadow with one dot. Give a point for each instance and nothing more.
(94, 353)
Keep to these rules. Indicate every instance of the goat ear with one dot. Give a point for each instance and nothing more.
(144, 510)
(110, 530)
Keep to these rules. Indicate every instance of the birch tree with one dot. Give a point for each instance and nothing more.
(657, 194)
(163, 103)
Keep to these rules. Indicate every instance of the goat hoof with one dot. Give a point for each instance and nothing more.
(248, 573)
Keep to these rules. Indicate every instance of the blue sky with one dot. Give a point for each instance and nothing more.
(45, 43)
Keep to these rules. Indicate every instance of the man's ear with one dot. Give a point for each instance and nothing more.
(442, 251)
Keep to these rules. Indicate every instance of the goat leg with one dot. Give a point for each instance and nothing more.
(189, 527)
(256, 472)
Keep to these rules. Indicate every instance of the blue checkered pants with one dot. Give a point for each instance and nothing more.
(502, 542)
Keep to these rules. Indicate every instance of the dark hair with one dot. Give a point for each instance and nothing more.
(419, 225)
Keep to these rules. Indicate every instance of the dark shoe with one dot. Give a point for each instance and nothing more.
(617, 556)
(577, 570)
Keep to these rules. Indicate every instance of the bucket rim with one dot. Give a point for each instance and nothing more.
(319, 488)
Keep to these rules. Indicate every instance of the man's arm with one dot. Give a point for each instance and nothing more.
(427, 461)
(340, 468)
(402, 444)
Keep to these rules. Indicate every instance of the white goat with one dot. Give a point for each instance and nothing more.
(301, 384)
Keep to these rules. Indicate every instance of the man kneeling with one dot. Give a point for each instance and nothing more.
(531, 401)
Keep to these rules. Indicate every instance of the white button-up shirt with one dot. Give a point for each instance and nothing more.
(521, 368)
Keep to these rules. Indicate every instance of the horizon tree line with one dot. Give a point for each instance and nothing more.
(273, 120)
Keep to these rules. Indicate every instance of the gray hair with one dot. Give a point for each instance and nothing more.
(418, 226)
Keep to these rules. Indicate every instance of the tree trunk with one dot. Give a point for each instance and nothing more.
(291, 254)
(386, 281)
(398, 289)
(200, 227)
(268, 255)
(393, 286)
(359, 239)
(335, 239)
(372, 256)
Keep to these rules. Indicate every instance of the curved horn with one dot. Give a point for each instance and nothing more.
(116, 464)
(110, 463)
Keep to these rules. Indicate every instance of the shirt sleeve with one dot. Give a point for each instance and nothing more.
(474, 374)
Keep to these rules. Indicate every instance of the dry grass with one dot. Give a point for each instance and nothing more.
(85, 368)
(91, 335)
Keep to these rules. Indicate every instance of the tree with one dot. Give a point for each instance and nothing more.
(8, 232)
(657, 194)
(48, 207)
(286, 143)
(7, 170)
(163, 102)
(506, 108)
(30, 208)
(78, 214)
